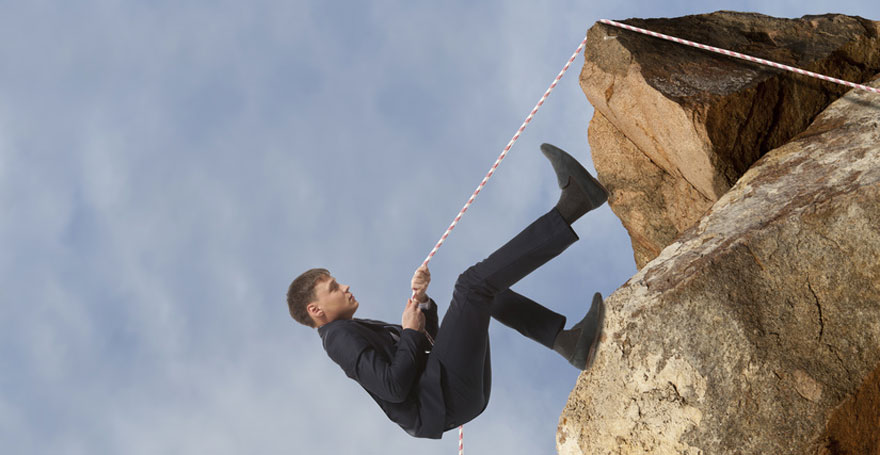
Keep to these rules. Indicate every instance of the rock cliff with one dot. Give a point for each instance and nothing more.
(675, 127)
(753, 201)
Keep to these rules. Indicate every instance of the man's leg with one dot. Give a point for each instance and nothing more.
(462, 345)
(544, 239)
(527, 317)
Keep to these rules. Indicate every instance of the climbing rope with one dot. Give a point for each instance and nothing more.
(553, 85)
(504, 152)
(740, 56)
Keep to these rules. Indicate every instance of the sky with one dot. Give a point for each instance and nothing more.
(167, 168)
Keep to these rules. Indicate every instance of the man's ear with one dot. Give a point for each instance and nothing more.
(315, 313)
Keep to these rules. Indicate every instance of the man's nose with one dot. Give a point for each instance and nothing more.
(347, 287)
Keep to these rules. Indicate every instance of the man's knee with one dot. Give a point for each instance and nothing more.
(471, 281)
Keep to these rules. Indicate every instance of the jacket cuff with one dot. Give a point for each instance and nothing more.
(427, 305)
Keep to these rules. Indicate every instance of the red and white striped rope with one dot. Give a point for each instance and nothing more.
(461, 440)
(504, 153)
(740, 56)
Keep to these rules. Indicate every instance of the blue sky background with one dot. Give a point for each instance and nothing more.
(166, 169)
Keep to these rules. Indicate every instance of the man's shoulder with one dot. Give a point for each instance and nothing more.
(346, 334)
(344, 340)
(336, 328)
(347, 325)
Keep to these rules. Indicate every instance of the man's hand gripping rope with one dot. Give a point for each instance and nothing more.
(413, 318)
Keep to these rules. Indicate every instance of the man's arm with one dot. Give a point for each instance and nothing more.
(389, 379)
(393, 381)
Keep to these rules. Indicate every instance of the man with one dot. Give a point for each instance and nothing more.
(430, 389)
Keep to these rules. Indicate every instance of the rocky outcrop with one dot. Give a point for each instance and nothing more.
(756, 329)
(676, 127)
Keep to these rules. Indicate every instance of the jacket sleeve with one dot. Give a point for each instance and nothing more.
(429, 309)
(392, 381)
(389, 379)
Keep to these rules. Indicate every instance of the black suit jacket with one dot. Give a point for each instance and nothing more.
(392, 365)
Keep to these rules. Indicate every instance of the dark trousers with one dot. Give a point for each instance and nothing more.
(481, 292)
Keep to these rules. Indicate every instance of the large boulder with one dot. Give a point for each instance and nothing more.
(675, 127)
(757, 331)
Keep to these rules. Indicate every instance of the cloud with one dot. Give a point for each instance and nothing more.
(166, 169)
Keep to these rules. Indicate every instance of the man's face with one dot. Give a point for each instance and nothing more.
(333, 301)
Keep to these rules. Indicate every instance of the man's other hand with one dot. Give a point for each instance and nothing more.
(420, 281)
(413, 318)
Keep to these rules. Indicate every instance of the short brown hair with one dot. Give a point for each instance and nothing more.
(302, 292)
